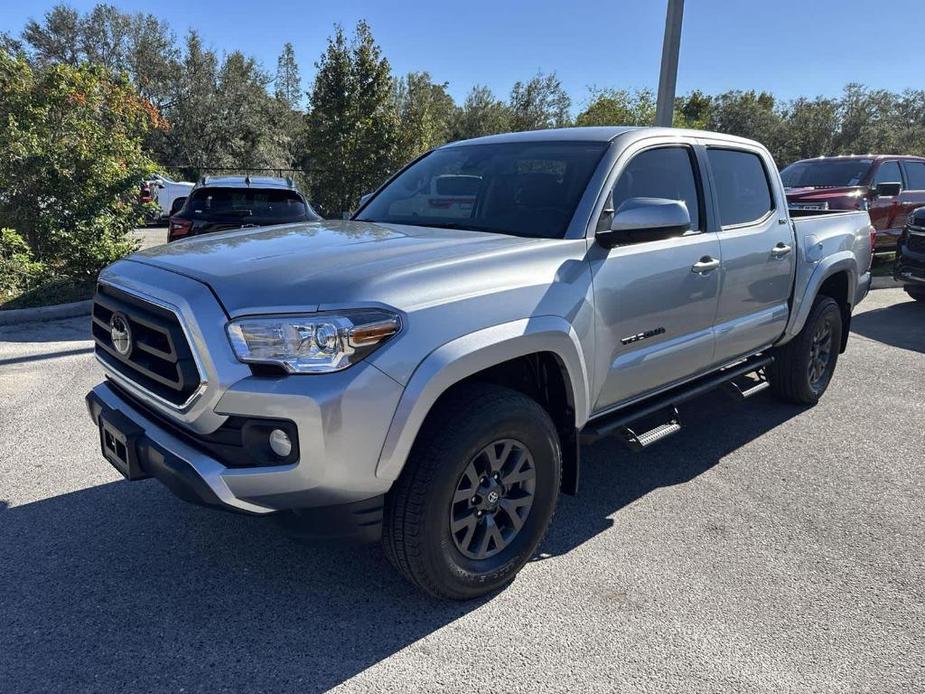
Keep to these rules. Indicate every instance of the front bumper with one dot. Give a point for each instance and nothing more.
(910, 266)
(342, 421)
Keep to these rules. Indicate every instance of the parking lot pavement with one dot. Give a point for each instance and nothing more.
(151, 235)
(765, 548)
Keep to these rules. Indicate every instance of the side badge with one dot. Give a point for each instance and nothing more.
(642, 336)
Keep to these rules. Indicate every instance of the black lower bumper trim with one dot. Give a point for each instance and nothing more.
(155, 461)
(360, 521)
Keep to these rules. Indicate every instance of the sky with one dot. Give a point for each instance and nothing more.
(788, 47)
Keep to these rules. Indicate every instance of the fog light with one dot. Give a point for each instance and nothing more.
(280, 443)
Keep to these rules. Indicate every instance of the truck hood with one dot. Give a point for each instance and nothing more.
(336, 264)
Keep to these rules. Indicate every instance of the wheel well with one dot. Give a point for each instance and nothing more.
(543, 377)
(838, 288)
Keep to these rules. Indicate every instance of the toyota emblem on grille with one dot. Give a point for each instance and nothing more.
(120, 333)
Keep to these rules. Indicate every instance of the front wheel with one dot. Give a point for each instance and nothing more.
(476, 495)
(802, 368)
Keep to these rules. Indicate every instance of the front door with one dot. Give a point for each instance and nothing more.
(886, 210)
(758, 250)
(654, 310)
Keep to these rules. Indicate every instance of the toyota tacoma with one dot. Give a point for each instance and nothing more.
(424, 372)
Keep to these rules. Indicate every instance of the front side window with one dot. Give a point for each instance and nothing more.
(888, 172)
(665, 172)
(743, 191)
(915, 173)
(518, 188)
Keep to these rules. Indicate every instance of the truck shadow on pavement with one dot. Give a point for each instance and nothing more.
(122, 587)
(899, 325)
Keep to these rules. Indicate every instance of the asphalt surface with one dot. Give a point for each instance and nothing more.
(765, 548)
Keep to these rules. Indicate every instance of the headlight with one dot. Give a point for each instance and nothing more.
(312, 343)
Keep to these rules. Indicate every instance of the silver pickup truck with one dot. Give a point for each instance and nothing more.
(425, 372)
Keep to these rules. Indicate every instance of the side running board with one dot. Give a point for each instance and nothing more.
(636, 442)
(618, 423)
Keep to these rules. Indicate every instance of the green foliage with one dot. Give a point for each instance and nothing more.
(71, 144)
(481, 114)
(540, 103)
(618, 107)
(288, 79)
(19, 270)
(352, 127)
(426, 112)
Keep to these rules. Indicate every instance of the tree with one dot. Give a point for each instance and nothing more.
(808, 129)
(618, 107)
(57, 40)
(426, 112)
(352, 126)
(693, 110)
(71, 161)
(747, 114)
(288, 80)
(540, 103)
(481, 114)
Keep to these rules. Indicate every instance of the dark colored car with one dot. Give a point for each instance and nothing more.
(888, 186)
(910, 256)
(236, 202)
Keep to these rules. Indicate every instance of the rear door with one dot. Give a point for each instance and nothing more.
(756, 241)
(654, 314)
(913, 196)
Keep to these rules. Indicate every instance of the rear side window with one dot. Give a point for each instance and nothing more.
(742, 187)
(888, 173)
(665, 172)
(915, 173)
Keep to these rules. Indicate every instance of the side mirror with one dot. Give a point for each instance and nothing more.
(888, 190)
(364, 199)
(645, 219)
(176, 205)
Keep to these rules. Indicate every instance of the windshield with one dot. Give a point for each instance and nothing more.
(521, 189)
(822, 173)
(263, 204)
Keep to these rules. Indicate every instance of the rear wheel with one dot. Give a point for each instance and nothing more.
(803, 368)
(476, 495)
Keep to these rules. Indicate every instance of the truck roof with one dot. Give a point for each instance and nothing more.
(591, 134)
(875, 157)
(245, 182)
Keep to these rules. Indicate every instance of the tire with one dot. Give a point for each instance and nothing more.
(469, 431)
(793, 375)
(917, 293)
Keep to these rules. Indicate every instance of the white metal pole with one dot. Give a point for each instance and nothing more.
(668, 77)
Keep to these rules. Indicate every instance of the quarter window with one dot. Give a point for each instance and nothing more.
(915, 173)
(888, 173)
(742, 188)
(665, 172)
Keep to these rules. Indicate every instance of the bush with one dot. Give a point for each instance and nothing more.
(19, 271)
(71, 162)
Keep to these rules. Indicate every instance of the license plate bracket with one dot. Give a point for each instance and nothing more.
(119, 444)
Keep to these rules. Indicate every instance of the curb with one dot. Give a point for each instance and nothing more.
(45, 313)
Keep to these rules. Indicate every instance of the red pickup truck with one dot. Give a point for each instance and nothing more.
(889, 186)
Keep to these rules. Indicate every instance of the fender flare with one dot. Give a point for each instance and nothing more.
(843, 261)
(470, 354)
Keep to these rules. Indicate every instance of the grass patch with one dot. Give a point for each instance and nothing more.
(52, 293)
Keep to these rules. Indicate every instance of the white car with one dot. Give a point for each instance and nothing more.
(164, 191)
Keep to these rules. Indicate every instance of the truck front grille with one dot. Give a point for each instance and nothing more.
(144, 343)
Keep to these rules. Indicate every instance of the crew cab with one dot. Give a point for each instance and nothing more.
(426, 378)
(888, 186)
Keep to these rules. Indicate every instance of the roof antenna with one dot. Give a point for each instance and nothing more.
(247, 179)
